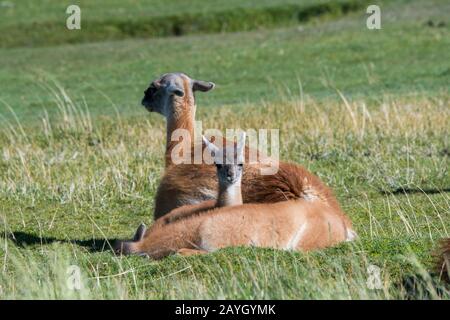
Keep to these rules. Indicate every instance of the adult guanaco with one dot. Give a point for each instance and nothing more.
(292, 225)
(172, 95)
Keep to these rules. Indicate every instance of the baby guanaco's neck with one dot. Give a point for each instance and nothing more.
(229, 194)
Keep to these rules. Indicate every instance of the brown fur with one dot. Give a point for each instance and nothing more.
(193, 184)
(294, 225)
(176, 188)
(182, 118)
(291, 182)
(228, 195)
(187, 210)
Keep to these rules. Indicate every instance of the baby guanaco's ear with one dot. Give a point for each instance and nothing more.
(216, 153)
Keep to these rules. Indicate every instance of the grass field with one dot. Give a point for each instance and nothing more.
(28, 23)
(367, 111)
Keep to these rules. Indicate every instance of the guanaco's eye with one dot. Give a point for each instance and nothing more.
(240, 165)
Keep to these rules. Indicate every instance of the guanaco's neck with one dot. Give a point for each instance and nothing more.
(183, 117)
(229, 195)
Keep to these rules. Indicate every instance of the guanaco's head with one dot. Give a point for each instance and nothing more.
(169, 93)
(229, 161)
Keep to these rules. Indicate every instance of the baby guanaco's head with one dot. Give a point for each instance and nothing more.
(229, 161)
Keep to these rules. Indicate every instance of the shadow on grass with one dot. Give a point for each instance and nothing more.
(23, 239)
(413, 190)
(417, 288)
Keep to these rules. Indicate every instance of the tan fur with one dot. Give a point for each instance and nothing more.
(176, 187)
(183, 117)
(291, 182)
(187, 210)
(229, 195)
(299, 211)
(290, 225)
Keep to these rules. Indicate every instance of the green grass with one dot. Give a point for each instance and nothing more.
(405, 56)
(69, 186)
(80, 164)
(44, 24)
(28, 11)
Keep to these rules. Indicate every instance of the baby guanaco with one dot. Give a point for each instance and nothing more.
(291, 225)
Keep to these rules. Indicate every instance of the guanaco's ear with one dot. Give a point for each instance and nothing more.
(203, 86)
(140, 232)
(156, 83)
